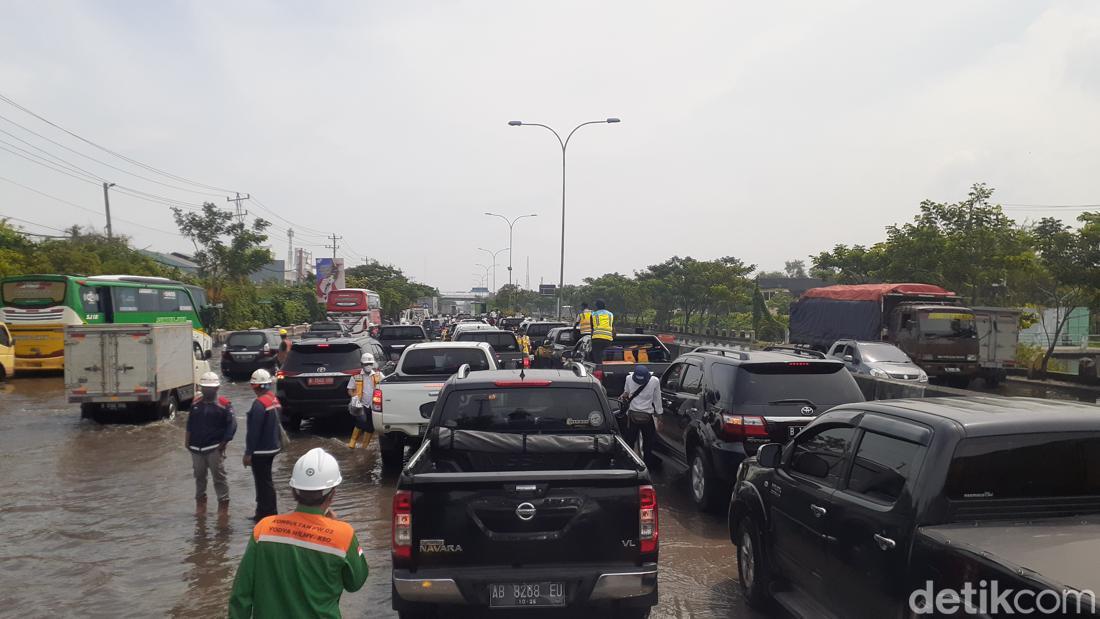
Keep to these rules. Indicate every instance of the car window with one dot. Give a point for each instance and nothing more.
(4, 340)
(500, 341)
(250, 340)
(821, 383)
(524, 410)
(313, 357)
(1025, 467)
(692, 381)
(567, 337)
(723, 377)
(401, 333)
(442, 361)
(671, 379)
(819, 453)
(882, 466)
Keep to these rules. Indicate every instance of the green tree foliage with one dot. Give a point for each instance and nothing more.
(397, 291)
(80, 253)
(227, 250)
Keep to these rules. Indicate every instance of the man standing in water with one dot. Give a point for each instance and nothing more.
(210, 427)
(299, 564)
(263, 442)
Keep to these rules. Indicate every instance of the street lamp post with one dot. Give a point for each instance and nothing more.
(494, 254)
(564, 145)
(511, 223)
(486, 267)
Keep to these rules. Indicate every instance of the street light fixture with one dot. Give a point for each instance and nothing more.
(564, 145)
(494, 254)
(486, 275)
(511, 223)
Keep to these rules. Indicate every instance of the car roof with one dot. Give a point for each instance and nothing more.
(433, 345)
(489, 330)
(743, 357)
(992, 415)
(488, 378)
(326, 340)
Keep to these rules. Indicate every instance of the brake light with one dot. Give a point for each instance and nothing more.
(284, 374)
(522, 383)
(526, 362)
(799, 364)
(322, 345)
(648, 526)
(742, 426)
(598, 375)
(402, 524)
(376, 401)
(352, 372)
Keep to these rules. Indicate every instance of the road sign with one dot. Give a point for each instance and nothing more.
(548, 290)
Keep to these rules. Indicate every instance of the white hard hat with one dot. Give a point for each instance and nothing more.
(317, 470)
(260, 377)
(367, 359)
(210, 379)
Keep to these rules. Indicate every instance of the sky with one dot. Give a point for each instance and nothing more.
(768, 131)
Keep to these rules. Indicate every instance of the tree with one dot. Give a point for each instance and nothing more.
(795, 268)
(848, 265)
(226, 249)
(1069, 260)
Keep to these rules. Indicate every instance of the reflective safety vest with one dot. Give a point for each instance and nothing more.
(603, 325)
(584, 322)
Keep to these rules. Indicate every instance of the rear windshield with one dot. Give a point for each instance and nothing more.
(400, 333)
(528, 409)
(251, 340)
(332, 357)
(818, 384)
(1031, 466)
(540, 330)
(501, 342)
(442, 361)
(325, 326)
(33, 293)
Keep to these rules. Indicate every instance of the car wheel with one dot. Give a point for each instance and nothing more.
(703, 482)
(292, 422)
(752, 566)
(168, 407)
(393, 452)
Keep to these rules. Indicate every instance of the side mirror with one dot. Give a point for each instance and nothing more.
(849, 359)
(768, 455)
(426, 409)
(206, 354)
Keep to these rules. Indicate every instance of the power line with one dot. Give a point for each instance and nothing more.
(51, 166)
(182, 179)
(33, 223)
(84, 208)
(297, 226)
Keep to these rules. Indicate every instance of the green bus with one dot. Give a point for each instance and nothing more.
(38, 307)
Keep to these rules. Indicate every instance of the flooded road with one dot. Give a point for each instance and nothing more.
(98, 520)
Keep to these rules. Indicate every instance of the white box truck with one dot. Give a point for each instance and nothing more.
(998, 335)
(144, 368)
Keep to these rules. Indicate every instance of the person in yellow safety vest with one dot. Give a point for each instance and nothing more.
(603, 330)
(584, 321)
(360, 406)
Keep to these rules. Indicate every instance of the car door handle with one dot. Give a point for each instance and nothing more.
(818, 510)
(884, 543)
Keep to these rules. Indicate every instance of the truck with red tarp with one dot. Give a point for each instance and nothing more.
(929, 323)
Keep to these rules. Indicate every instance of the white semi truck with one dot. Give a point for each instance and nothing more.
(145, 368)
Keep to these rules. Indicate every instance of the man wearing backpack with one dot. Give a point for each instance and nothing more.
(642, 396)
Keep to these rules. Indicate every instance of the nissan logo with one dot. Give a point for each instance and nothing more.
(525, 511)
(807, 410)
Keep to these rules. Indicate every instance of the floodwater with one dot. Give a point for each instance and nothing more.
(98, 519)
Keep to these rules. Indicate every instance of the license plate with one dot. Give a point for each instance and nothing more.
(951, 370)
(243, 355)
(793, 430)
(323, 380)
(527, 594)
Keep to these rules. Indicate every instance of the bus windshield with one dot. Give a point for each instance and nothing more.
(33, 293)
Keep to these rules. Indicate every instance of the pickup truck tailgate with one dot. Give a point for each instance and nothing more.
(546, 519)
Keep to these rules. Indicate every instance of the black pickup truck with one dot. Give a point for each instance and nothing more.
(620, 357)
(926, 507)
(523, 496)
(396, 338)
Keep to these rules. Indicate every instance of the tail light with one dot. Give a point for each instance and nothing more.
(598, 375)
(267, 348)
(376, 401)
(648, 525)
(284, 374)
(402, 524)
(742, 426)
(526, 362)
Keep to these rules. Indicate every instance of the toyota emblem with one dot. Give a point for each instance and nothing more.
(525, 511)
(807, 410)
(321, 369)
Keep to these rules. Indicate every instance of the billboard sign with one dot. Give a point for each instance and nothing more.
(548, 290)
(330, 276)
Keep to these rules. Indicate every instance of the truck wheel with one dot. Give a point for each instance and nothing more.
(752, 566)
(168, 407)
(705, 486)
(393, 452)
(89, 410)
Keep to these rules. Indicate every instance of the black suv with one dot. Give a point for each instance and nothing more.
(721, 405)
(396, 338)
(326, 328)
(313, 381)
(247, 351)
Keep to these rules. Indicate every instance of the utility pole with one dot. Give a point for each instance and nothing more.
(334, 245)
(528, 286)
(107, 207)
(289, 253)
(240, 213)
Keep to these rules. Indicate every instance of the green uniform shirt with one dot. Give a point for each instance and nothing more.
(297, 565)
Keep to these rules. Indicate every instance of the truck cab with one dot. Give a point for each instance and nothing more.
(942, 339)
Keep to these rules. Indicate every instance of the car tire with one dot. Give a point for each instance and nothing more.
(392, 452)
(702, 482)
(292, 422)
(752, 566)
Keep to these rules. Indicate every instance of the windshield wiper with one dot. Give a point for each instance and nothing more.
(794, 401)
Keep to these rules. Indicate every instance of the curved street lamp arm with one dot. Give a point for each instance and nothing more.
(551, 130)
(591, 122)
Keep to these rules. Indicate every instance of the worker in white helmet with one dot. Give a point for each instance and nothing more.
(210, 427)
(299, 564)
(263, 441)
(361, 389)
